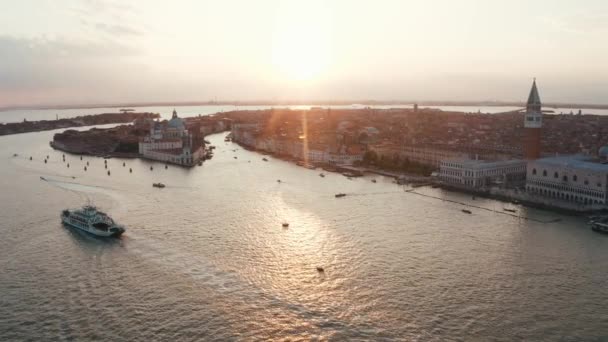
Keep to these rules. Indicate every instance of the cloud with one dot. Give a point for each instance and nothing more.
(579, 23)
(31, 63)
(118, 30)
(97, 6)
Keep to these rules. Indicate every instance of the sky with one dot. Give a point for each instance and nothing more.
(116, 51)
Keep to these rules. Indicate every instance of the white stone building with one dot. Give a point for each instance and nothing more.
(576, 179)
(171, 142)
(474, 173)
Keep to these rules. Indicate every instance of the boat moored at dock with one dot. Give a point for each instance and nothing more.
(599, 224)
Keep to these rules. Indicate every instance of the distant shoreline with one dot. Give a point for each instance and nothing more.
(306, 103)
(79, 121)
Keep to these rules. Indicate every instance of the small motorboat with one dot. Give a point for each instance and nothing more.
(108, 172)
(264, 159)
(340, 195)
(278, 181)
(373, 181)
(124, 164)
(158, 185)
(320, 269)
(235, 157)
(42, 178)
(321, 175)
(15, 155)
(30, 158)
(130, 170)
(466, 211)
(285, 224)
(166, 166)
(151, 168)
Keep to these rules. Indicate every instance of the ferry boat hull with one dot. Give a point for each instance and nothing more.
(70, 218)
(599, 224)
(599, 227)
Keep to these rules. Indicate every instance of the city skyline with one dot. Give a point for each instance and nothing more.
(102, 51)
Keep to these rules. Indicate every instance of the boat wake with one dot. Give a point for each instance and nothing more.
(86, 190)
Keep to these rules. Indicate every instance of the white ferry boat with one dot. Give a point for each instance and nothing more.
(599, 224)
(91, 220)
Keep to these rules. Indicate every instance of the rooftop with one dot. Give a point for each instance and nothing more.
(575, 162)
(484, 164)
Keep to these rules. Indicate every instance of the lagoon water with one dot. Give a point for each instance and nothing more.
(206, 258)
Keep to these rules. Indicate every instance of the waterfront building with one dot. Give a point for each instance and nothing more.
(472, 173)
(578, 179)
(423, 155)
(429, 156)
(317, 156)
(171, 142)
(533, 121)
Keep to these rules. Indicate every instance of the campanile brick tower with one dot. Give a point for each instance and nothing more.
(533, 123)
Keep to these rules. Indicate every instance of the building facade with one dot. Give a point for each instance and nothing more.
(577, 179)
(480, 174)
(171, 142)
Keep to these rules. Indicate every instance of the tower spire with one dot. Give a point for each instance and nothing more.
(533, 122)
(534, 104)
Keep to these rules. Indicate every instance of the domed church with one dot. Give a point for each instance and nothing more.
(171, 142)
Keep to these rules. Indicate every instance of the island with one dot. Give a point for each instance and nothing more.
(523, 156)
(79, 121)
(176, 141)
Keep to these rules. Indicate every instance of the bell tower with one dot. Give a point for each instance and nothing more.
(533, 122)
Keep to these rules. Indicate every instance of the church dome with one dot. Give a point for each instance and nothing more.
(176, 122)
(603, 152)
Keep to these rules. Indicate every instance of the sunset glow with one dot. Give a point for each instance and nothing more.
(301, 46)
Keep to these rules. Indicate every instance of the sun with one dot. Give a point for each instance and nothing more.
(301, 46)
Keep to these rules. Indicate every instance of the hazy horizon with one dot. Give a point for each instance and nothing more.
(106, 51)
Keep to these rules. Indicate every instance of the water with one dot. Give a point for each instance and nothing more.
(206, 257)
(188, 111)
